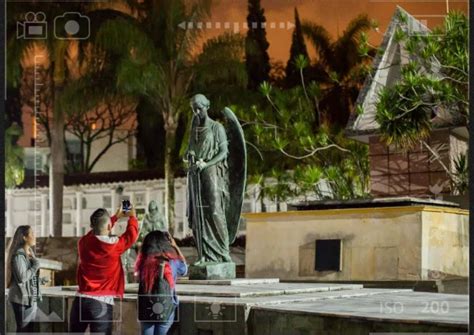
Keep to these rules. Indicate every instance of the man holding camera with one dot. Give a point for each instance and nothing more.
(100, 275)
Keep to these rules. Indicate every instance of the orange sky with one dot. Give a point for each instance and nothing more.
(332, 14)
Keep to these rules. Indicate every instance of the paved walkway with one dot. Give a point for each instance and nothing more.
(341, 300)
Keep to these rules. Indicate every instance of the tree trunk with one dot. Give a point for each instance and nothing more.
(262, 197)
(56, 172)
(170, 141)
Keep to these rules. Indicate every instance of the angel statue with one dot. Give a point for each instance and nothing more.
(153, 220)
(217, 168)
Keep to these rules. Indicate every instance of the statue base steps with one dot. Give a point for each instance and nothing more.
(212, 271)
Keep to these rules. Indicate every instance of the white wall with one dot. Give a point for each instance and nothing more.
(116, 158)
(21, 209)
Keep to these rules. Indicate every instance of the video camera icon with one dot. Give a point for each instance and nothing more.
(33, 28)
(68, 26)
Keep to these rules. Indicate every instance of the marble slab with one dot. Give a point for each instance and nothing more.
(416, 307)
(231, 282)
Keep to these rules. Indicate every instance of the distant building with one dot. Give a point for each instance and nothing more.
(37, 151)
(394, 172)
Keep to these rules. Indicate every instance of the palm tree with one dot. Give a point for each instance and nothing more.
(338, 67)
(56, 64)
(226, 86)
(153, 49)
(143, 50)
(45, 59)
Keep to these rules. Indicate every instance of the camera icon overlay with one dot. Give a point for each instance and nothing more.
(33, 28)
(102, 310)
(156, 308)
(72, 26)
(215, 311)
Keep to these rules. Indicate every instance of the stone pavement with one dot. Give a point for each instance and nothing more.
(269, 307)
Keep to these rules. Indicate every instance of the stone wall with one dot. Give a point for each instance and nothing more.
(349, 315)
(394, 243)
(64, 250)
(445, 244)
(266, 322)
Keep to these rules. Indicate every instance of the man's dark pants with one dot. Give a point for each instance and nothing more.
(90, 312)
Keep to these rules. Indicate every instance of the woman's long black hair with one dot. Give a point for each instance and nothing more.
(156, 247)
(158, 242)
(16, 243)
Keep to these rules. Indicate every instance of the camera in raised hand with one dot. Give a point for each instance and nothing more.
(126, 206)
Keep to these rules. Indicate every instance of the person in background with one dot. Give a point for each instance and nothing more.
(100, 274)
(158, 265)
(23, 280)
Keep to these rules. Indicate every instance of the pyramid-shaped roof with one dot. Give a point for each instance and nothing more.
(385, 72)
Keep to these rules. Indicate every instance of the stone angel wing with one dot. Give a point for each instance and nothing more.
(237, 167)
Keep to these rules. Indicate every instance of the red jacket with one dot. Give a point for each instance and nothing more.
(100, 269)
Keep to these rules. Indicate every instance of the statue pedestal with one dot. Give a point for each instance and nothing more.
(212, 271)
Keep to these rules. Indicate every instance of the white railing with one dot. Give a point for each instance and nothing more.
(25, 204)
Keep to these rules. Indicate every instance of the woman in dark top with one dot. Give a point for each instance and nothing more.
(22, 278)
(159, 257)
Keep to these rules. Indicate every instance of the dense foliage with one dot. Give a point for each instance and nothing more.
(293, 159)
(432, 91)
(433, 84)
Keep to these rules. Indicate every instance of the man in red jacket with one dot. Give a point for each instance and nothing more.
(100, 274)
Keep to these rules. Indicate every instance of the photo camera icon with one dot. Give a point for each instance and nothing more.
(72, 26)
(33, 28)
